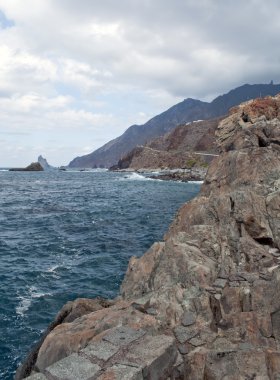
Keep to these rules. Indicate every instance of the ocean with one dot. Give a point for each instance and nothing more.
(69, 234)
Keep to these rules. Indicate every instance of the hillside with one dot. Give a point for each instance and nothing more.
(181, 113)
(186, 146)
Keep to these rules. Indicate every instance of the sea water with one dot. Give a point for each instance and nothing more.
(67, 234)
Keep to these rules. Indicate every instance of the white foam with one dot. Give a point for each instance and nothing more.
(196, 182)
(52, 269)
(25, 301)
(23, 306)
(135, 177)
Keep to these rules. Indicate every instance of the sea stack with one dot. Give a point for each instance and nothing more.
(205, 302)
(44, 163)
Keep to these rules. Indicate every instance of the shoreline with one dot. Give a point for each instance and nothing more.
(177, 174)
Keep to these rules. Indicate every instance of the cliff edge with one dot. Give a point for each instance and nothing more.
(205, 302)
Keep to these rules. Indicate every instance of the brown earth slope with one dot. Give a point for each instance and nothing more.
(205, 302)
(183, 147)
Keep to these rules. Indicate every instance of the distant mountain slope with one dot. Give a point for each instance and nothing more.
(186, 111)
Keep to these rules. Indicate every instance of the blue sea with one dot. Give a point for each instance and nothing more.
(68, 234)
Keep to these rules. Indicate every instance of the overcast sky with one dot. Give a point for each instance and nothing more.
(76, 73)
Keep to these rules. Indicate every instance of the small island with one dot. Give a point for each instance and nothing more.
(33, 167)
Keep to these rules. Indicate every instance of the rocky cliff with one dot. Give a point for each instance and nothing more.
(205, 302)
(186, 111)
(187, 146)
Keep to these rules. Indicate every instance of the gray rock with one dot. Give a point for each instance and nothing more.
(155, 354)
(122, 336)
(36, 376)
(122, 372)
(73, 367)
(183, 334)
(101, 350)
(220, 283)
(188, 318)
(183, 349)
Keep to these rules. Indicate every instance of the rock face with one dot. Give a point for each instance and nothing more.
(186, 111)
(33, 167)
(187, 146)
(213, 286)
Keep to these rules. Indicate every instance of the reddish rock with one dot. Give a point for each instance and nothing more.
(176, 149)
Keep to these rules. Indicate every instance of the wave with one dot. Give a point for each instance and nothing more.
(52, 269)
(4, 170)
(23, 306)
(25, 301)
(135, 177)
(196, 182)
(98, 170)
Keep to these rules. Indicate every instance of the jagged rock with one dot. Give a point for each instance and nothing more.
(216, 264)
(44, 163)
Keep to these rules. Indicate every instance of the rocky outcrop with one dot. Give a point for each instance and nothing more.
(184, 112)
(181, 175)
(186, 147)
(212, 287)
(44, 163)
(33, 167)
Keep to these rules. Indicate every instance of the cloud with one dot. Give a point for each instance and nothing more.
(98, 66)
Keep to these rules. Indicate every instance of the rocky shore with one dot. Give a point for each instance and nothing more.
(181, 175)
(205, 302)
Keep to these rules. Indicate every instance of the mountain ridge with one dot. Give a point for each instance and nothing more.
(186, 111)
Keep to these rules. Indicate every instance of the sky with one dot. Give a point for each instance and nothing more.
(75, 74)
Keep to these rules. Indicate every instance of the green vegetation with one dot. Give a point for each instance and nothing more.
(204, 164)
(190, 163)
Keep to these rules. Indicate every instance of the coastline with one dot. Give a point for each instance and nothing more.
(176, 174)
(205, 301)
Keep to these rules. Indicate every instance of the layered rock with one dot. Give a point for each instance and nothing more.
(213, 284)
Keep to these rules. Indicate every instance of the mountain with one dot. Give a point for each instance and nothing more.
(186, 111)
